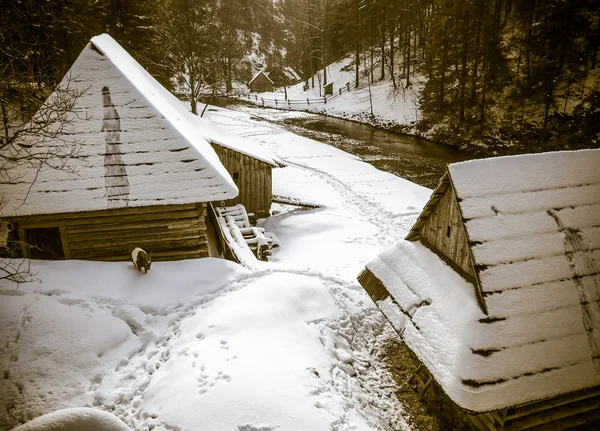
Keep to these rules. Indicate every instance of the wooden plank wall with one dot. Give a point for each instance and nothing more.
(254, 181)
(575, 410)
(171, 232)
(446, 213)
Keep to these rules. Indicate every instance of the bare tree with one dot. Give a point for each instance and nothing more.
(189, 34)
(30, 142)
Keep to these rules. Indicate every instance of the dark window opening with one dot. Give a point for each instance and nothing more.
(236, 175)
(448, 231)
(45, 243)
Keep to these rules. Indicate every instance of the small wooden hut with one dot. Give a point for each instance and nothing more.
(138, 174)
(249, 164)
(253, 176)
(261, 83)
(496, 290)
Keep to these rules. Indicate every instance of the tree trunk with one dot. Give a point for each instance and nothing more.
(464, 72)
(476, 58)
(193, 95)
(595, 50)
(444, 65)
(407, 56)
(324, 44)
(383, 19)
(529, 35)
(391, 51)
(229, 85)
(357, 44)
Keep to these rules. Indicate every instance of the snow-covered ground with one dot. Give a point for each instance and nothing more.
(391, 108)
(208, 344)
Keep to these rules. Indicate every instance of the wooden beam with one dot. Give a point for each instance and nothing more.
(25, 251)
(531, 408)
(426, 388)
(64, 239)
(184, 240)
(111, 219)
(127, 235)
(107, 212)
(556, 413)
(144, 224)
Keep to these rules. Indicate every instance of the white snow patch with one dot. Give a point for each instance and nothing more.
(76, 419)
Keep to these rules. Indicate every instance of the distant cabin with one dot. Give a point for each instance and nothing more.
(496, 290)
(141, 173)
(261, 83)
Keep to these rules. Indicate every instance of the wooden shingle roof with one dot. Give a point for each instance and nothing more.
(533, 225)
(260, 73)
(130, 134)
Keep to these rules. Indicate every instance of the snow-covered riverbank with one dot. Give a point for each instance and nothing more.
(207, 344)
(378, 104)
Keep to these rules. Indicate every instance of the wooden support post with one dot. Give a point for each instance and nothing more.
(414, 375)
(23, 240)
(426, 388)
(64, 239)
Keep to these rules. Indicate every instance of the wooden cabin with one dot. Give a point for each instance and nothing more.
(249, 164)
(253, 177)
(137, 171)
(261, 83)
(496, 290)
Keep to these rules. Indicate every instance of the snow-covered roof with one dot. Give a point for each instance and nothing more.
(533, 225)
(225, 138)
(260, 72)
(291, 73)
(131, 134)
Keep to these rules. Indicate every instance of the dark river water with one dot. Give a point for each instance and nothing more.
(415, 159)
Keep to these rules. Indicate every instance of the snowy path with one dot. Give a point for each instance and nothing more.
(371, 209)
(206, 344)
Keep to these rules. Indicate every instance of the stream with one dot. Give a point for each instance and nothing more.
(415, 159)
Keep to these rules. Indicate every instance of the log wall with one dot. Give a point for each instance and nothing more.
(444, 231)
(171, 232)
(578, 410)
(254, 181)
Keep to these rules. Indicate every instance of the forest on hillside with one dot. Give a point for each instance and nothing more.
(519, 74)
